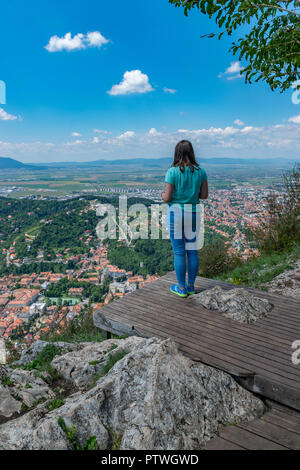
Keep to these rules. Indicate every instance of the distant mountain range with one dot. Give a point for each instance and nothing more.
(166, 162)
(7, 163)
(10, 163)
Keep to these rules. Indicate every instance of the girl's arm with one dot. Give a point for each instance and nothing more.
(167, 195)
(204, 190)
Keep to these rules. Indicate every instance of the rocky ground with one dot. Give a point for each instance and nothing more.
(237, 304)
(287, 283)
(131, 393)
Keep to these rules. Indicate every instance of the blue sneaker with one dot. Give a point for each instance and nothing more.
(178, 291)
(190, 290)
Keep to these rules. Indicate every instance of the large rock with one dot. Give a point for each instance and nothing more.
(286, 283)
(80, 367)
(237, 304)
(29, 387)
(8, 404)
(19, 386)
(154, 398)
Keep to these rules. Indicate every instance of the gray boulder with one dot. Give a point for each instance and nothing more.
(237, 304)
(19, 386)
(8, 404)
(286, 283)
(28, 387)
(154, 398)
(80, 367)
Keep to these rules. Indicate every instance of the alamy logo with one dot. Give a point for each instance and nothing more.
(296, 353)
(296, 94)
(2, 92)
(143, 222)
(2, 351)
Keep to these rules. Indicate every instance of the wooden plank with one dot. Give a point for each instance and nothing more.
(273, 432)
(247, 332)
(285, 410)
(280, 321)
(218, 443)
(275, 390)
(121, 311)
(187, 313)
(250, 354)
(285, 422)
(217, 359)
(289, 309)
(186, 305)
(205, 283)
(248, 440)
(199, 353)
(118, 328)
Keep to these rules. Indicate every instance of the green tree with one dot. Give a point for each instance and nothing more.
(271, 45)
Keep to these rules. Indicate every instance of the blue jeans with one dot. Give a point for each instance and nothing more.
(183, 229)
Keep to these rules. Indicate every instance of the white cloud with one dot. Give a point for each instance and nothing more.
(153, 132)
(249, 140)
(31, 149)
(232, 72)
(4, 116)
(295, 119)
(127, 135)
(229, 141)
(211, 131)
(234, 67)
(75, 134)
(170, 90)
(100, 131)
(249, 129)
(77, 42)
(75, 142)
(133, 82)
(238, 122)
(95, 39)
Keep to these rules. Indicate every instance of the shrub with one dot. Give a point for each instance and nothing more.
(56, 403)
(6, 381)
(43, 360)
(91, 443)
(214, 259)
(79, 330)
(280, 229)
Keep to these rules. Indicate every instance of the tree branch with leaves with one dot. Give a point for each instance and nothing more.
(270, 48)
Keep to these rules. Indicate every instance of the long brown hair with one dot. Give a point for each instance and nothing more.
(185, 156)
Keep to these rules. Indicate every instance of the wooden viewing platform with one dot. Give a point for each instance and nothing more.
(277, 429)
(259, 355)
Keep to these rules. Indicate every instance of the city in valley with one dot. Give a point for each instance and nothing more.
(54, 268)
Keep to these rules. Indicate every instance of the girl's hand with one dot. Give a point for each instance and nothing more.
(168, 193)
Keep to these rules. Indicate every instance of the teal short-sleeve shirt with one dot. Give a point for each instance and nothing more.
(186, 184)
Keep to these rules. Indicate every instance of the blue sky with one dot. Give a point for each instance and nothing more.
(67, 98)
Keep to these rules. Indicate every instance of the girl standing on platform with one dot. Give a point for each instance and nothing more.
(186, 184)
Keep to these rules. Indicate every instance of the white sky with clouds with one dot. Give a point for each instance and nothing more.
(116, 80)
(228, 141)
